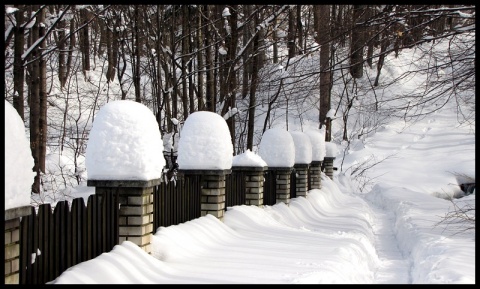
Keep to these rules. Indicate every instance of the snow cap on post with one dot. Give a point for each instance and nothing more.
(303, 147)
(248, 159)
(277, 148)
(331, 150)
(124, 143)
(19, 162)
(205, 143)
(317, 138)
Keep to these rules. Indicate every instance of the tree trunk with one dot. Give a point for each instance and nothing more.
(191, 85)
(85, 42)
(231, 75)
(62, 53)
(34, 102)
(291, 33)
(247, 63)
(275, 43)
(173, 93)
(210, 96)
(381, 59)
(358, 42)
(200, 73)
(369, 32)
(112, 49)
(299, 29)
(18, 71)
(185, 42)
(322, 16)
(136, 54)
(71, 45)
(253, 88)
(43, 97)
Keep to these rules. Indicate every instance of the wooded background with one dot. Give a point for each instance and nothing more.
(178, 59)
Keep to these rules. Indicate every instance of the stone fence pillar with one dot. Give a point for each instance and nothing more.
(315, 175)
(254, 180)
(329, 166)
(213, 191)
(12, 242)
(283, 184)
(301, 183)
(136, 208)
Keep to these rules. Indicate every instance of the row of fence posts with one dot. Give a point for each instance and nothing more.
(135, 200)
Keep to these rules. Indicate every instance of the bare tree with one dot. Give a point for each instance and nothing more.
(18, 70)
(85, 41)
(322, 25)
(358, 41)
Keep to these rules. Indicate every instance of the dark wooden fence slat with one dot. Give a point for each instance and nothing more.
(90, 228)
(27, 226)
(293, 184)
(49, 260)
(60, 222)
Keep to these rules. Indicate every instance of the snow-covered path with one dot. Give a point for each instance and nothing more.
(394, 268)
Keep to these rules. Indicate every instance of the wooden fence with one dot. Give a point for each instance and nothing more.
(53, 241)
(176, 201)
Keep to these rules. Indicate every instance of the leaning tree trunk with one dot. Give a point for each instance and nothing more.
(231, 76)
(253, 87)
(136, 77)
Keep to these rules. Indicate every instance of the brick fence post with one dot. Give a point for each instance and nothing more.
(254, 181)
(301, 183)
(12, 243)
(315, 171)
(135, 220)
(283, 184)
(329, 166)
(213, 191)
(331, 152)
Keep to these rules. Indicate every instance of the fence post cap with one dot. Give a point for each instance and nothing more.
(283, 169)
(250, 168)
(124, 183)
(17, 212)
(301, 166)
(205, 172)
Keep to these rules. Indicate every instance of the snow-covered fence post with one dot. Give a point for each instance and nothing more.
(12, 242)
(303, 158)
(301, 181)
(277, 149)
(317, 139)
(254, 185)
(254, 167)
(124, 163)
(19, 178)
(205, 148)
(331, 152)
